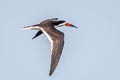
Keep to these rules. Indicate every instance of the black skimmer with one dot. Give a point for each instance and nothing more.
(56, 37)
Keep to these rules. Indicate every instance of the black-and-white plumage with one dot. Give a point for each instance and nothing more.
(56, 38)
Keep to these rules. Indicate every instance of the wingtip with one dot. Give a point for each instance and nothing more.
(26, 27)
(22, 27)
(50, 74)
(32, 38)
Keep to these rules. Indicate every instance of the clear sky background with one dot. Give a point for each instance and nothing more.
(91, 52)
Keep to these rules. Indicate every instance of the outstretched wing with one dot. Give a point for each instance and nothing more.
(56, 38)
(56, 53)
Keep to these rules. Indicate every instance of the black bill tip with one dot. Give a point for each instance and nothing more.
(73, 26)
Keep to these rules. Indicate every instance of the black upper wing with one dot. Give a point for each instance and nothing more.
(57, 43)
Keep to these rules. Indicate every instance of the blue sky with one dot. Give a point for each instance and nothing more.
(91, 52)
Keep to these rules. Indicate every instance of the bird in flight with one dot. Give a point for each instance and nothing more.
(56, 37)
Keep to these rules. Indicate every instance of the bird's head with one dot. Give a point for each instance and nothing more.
(64, 23)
